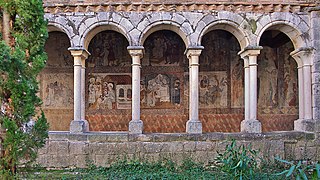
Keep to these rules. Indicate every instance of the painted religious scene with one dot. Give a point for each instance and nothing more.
(164, 85)
(220, 83)
(56, 82)
(277, 82)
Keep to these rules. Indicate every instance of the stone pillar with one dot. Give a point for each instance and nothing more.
(246, 89)
(250, 124)
(78, 124)
(303, 57)
(136, 124)
(83, 89)
(194, 126)
(315, 68)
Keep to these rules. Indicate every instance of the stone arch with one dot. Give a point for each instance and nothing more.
(54, 26)
(296, 33)
(98, 27)
(165, 25)
(227, 25)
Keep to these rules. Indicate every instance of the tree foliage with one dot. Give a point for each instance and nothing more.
(20, 63)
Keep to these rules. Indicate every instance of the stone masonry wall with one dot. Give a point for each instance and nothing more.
(76, 150)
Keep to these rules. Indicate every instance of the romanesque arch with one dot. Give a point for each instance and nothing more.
(98, 27)
(56, 81)
(221, 82)
(166, 25)
(233, 24)
(163, 82)
(108, 82)
(295, 83)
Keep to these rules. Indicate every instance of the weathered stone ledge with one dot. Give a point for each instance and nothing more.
(267, 7)
(169, 137)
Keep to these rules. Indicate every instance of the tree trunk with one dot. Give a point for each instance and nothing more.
(6, 26)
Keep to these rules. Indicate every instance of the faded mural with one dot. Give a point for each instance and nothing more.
(164, 48)
(109, 91)
(160, 91)
(277, 81)
(213, 89)
(164, 85)
(57, 90)
(57, 50)
(109, 48)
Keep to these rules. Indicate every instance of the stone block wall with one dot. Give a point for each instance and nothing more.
(64, 150)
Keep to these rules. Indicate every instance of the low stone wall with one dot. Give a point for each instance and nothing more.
(64, 149)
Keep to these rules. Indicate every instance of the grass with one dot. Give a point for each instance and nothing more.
(137, 170)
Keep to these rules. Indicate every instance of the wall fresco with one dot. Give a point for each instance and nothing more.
(277, 81)
(213, 89)
(237, 83)
(109, 91)
(109, 48)
(164, 48)
(57, 90)
(57, 50)
(160, 91)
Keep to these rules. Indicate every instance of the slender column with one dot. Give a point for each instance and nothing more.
(78, 125)
(194, 125)
(136, 124)
(303, 58)
(246, 89)
(253, 86)
(301, 94)
(83, 90)
(307, 92)
(250, 124)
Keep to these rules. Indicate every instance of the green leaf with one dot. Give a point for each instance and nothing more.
(291, 170)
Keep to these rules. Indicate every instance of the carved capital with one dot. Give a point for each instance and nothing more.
(250, 51)
(193, 51)
(303, 56)
(79, 52)
(136, 51)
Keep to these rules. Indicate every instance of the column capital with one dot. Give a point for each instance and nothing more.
(136, 51)
(193, 51)
(79, 52)
(250, 51)
(303, 56)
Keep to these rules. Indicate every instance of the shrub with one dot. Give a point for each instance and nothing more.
(237, 162)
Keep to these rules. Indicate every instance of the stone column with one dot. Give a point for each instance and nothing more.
(250, 124)
(83, 89)
(194, 126)
(136, 124)
(315, 69)
(78, 124)
(303, 57)
(246, 88)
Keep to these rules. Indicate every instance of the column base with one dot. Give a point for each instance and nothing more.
(251, 126)
(79, 126)
(305, 125)
(135, 127)
(194, 127)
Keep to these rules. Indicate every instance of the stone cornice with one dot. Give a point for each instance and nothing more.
(237, 7)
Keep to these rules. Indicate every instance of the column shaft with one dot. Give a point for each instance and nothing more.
(79, 124)
(136, 124)
(136, 89)
(307, 92)
(194, 125)
(301, 94)
(246, 89)
(194, 90)
(253, 87)
(77, 89)
(83, 90)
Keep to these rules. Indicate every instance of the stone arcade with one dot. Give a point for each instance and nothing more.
(154, 80)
